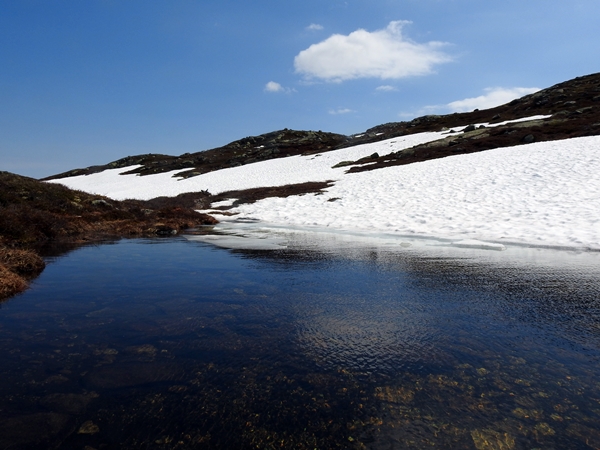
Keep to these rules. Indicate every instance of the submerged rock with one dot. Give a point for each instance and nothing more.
(131, 374)
(40, 430)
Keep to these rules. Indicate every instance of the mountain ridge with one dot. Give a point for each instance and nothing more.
(574, 107)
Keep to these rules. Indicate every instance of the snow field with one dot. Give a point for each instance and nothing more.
(545, 194)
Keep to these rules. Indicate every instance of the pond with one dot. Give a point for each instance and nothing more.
(327, 342)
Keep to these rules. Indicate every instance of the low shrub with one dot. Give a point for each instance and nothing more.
(33, 213)
(10, 283)
(22, 262)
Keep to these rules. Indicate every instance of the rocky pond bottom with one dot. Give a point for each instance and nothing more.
(176, 344)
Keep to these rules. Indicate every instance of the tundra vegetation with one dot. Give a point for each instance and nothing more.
(34, 213)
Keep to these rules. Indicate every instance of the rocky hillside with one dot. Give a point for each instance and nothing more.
(574, 106)
(277, 144)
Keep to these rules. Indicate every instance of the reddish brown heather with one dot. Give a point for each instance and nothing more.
(34, 212)
(22, 262)
(10, 283)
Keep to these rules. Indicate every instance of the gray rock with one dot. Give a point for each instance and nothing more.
(101, 202)
(528, 139)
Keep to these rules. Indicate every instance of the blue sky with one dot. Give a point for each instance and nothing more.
(88, 82)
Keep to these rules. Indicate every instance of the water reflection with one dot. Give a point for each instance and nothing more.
(323, 343)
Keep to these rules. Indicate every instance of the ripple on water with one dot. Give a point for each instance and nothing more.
(336, 346)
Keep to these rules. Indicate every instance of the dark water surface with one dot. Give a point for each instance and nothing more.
(166, 344)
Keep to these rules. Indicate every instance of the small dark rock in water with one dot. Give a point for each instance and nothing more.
(89, 427)
(163, 230)
(528, 139)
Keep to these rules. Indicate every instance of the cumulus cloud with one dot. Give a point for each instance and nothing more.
(275, 87)
(386, 88)
(493, 97)
(340, 111)
(314, 27)
(272, 86)
(384, 54)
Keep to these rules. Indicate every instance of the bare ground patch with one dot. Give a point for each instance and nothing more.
(248, 196)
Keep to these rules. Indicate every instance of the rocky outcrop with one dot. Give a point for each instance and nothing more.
(571, 105)
(277, 144)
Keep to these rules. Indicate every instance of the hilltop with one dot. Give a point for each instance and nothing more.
(574, 107)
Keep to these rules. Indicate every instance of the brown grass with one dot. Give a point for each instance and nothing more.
(33, 213)
(10, 283)
(253, 195)
(22, 262)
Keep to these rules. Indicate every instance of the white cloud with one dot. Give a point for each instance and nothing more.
(272, 86)
(384, 54)
(314, 27)
(493, 97)
(275, 87)
(386, 88)
(340, 111)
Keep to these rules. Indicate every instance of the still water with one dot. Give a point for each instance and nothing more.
(328, 343)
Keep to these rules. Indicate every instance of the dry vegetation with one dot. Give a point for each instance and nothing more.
(247, 196)
(33, 212)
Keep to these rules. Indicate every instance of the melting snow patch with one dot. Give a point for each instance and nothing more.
(240, 242)
(228, 202)
(473, 243)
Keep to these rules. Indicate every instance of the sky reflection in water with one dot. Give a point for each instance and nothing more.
(327, 343)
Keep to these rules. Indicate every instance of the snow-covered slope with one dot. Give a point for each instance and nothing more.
(275, 172)
(545, 193)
